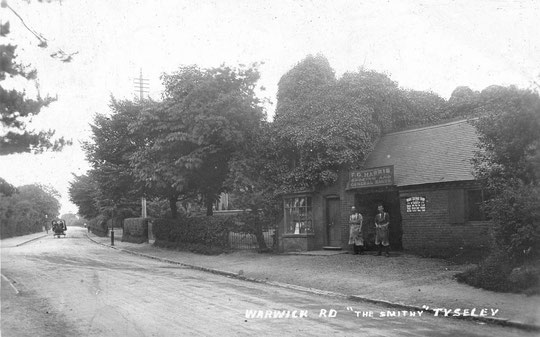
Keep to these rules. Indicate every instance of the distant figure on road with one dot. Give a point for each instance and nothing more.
(355, 231)
(382, 221)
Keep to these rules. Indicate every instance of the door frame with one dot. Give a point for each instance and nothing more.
(327, 199)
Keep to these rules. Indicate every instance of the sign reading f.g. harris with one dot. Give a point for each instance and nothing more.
(373, 177)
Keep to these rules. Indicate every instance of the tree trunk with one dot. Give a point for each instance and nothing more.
(174, 208)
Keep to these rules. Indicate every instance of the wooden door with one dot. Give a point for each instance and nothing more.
(333, 224)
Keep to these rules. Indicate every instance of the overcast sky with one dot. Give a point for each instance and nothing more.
(423, 45)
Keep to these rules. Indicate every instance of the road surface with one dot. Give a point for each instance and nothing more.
(74, 287)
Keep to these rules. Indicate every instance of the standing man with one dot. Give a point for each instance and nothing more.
(382, 221)
(355, 231)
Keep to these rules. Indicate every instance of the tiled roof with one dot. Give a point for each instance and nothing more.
(434, 154)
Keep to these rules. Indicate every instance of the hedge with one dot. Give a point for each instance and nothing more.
(98, 226)
(209, 231)
(135, 230)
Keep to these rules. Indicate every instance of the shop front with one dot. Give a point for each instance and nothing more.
(369, 188)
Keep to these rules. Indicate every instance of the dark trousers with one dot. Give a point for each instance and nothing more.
(386, 249)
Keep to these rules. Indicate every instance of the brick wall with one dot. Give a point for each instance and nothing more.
(431, 230)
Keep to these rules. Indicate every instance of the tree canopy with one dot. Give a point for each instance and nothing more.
(207, 115)
(323, 124)
(27, 209)
(508, 165)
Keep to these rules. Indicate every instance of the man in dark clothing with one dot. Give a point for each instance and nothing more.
(382, 221)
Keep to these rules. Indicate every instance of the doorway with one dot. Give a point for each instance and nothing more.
(333, 225)
(367, 205)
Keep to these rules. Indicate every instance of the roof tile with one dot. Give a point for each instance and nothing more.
(434, 154)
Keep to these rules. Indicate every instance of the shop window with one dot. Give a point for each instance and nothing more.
(475, 198)
(298, 215)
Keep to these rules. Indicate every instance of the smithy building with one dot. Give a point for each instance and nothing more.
(422, 177)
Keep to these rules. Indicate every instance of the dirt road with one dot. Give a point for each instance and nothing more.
(72, 287)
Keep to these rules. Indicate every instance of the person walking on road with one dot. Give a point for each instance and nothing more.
(356, 238)
(382, 221)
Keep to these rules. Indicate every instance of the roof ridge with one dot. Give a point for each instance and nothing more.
(430, 127)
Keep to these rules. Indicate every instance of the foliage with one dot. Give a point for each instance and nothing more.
(210, 231)
(83, 192)
(507, 166)
(206, 117)
(491, 274)
(324, 125)
(298, 85)
(378, 93)
(423, 108)
(17, 109)
(463, 102)
(27, 210)
(496, 273)
(113, 143)
(6, 189)
(98, 225)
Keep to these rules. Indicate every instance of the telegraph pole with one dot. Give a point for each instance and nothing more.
(142, 86)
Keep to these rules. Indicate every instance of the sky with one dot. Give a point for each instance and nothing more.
(422, 45)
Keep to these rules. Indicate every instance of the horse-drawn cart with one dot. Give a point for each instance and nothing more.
(59, 228)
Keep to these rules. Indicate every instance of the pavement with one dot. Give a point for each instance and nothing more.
(403, 281)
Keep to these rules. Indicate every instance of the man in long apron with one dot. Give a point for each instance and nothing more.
(356, 237)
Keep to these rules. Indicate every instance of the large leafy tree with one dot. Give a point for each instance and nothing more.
(111, 182)
(508, 165)
(17, 108)
(207, 116)
(324, 124)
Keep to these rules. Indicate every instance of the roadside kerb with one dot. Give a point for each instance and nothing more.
(491, 320)
(34, 239)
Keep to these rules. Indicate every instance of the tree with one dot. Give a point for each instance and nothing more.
(28, 210)
(325, 125)
(463, 102)
(378, 92)
(84, 192)
(16, 108)
(422, 108)
(206, 117)
(507, 166)
(112, 144)
(296, 87)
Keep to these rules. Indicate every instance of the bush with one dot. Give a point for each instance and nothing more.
(525, 279)
(98, 226)
(516, 222)
(490, 274)
(496, 273)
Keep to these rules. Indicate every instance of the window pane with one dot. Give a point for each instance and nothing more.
(298, 215)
